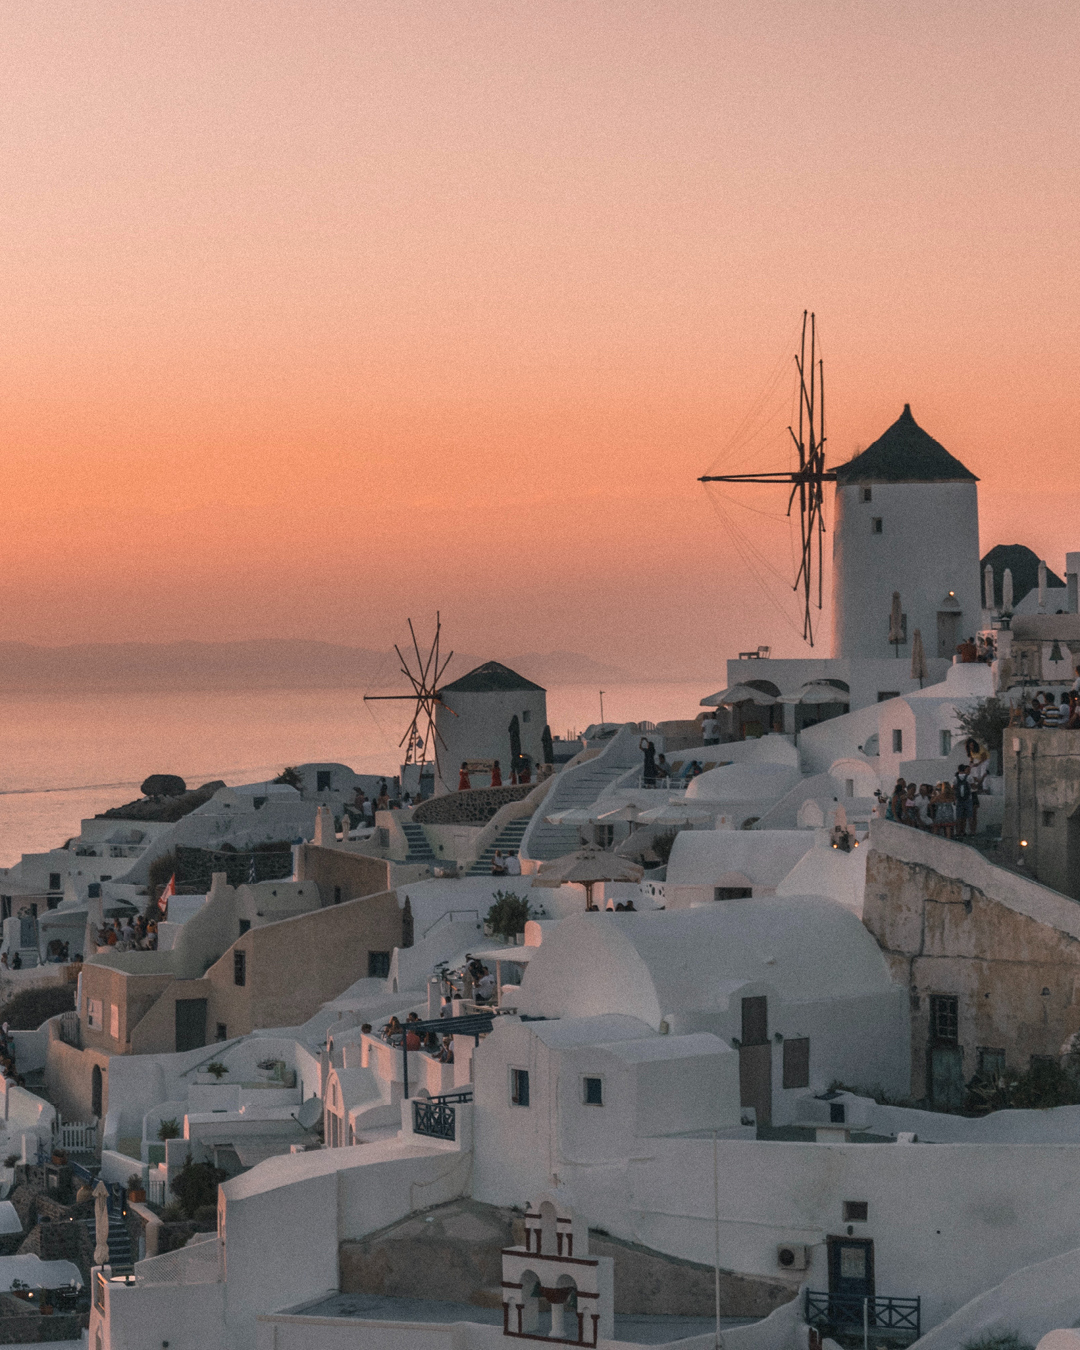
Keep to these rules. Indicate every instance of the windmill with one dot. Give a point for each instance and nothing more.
(425, 682)
(807, 481)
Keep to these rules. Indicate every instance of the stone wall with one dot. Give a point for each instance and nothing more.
(458, 1249)
(474, 807)
(1016, 979)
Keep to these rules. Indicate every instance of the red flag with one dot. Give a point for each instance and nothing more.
(163, 898)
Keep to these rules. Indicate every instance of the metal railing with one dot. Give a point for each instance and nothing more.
(69, 1027)
(437, 1116)
(155, 1191)
(677, 784)
(854, 1312)
(449, 914)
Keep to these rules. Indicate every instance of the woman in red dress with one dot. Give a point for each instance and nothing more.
(496, 775)
(463, 784)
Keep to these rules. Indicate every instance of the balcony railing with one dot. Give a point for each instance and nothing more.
(437, 1117)
(852, 1312)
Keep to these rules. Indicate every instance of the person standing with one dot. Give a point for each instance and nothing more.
(496, 774)
(648, 749)
(962, 799)
(710, 730)
(463, 784)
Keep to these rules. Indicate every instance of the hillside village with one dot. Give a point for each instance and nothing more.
(677, 1031)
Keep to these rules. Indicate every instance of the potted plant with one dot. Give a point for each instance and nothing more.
(59, 1157)
(218, 1069)
(135, 1189)
(168, 1129)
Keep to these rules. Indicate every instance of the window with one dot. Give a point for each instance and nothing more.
(378, 965)
(322, 780)
(239, 968)
(946, 742)
(849, 787)
(54, 881)
(837, 1113)
(245, 926)
(222, 1032)
(93, 1013)
(519, 1087)
(856, 1211)
(755, 1020)
(604, 835)
(337, 895)
(797, 1062)
(526, 716)
(944, 1018)
(93, 891)
(897, 741)
(733, 892)
(866, 494)
(991, 1062)
(592, 1091)
(1048, 817)
(876, 525)
(884, 694)
(114, 1021)
(258, 803)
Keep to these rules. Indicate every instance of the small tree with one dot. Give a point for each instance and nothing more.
(986, 721)
(218, 1069)
(168, 1129)
(196, 1184)
(290, 777)
(163, 785)
(508, 915)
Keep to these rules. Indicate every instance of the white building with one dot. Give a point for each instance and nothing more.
(483, 716)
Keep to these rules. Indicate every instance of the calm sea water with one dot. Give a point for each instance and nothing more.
(66, 757)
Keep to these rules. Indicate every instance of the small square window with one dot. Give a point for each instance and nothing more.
(866, 494)
(897, 741)
(876, 526)
(856, 1211)
(245, 926)
(378, 965)
(1048, 817)
(239, 968)
(322, 780)
(991, 1062)
(519, 1087)
(592, 1091)
(222, 1032)
(883, 695)
(54, 881)
(526, 716)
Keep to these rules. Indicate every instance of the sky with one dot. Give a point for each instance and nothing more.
(318, 315)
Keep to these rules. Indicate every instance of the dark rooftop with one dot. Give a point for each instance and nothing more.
(491, 678)
(1024, 566)
(904, 454)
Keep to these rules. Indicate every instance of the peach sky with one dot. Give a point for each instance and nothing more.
(318, 314)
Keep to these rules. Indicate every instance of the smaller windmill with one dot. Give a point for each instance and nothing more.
(421, 738)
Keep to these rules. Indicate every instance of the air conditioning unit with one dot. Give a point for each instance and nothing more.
(792, 1256)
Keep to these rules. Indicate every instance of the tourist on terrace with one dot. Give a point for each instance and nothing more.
(496, 774)
(896, 802)
(446, 1054)
(485, 986)
(392, 1029)
(463, 784)
(663, 768)
(513, 865)
(498, 864)
(647, 748)
(944, 814)
(963, 796)
(925, 807)
(710, 730)
(967, 651)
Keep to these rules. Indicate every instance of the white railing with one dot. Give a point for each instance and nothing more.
(197, 1263)
(665, 784)
(155, 1191)
(78, 1136)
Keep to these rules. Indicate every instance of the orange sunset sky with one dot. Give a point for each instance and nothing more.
(319, 314)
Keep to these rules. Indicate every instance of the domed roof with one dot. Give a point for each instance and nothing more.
(1023, 563)
(904, 454)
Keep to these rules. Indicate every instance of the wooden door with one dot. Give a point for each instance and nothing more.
(755, 1059)
(190, 1023)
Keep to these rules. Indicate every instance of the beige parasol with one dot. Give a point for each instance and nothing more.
(918, 658)
(101, 1224)
(587, 866)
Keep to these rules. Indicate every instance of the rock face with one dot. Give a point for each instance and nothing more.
(454, 1253)
(475, 807)
(166, 808)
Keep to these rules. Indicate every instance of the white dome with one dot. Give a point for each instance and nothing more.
(744, 782)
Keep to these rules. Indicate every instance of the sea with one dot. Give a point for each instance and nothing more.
(64, 757)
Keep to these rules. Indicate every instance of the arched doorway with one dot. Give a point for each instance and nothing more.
(95, 1091)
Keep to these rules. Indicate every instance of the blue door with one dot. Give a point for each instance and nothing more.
(851, 1269)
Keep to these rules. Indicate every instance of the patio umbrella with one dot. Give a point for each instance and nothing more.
(587, 866)
(571, 815)
(738, 693)
(814, 691)
(918, 658)
(672, 813)
(101, 1224)
(628, 812)
(896, 623)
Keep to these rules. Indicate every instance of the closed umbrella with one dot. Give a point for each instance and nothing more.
(896, 623)
(1007, 591)
(101, 1224)
(587, 866)
(918, 658)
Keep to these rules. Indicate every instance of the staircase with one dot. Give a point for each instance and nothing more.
(508, 840)
(121, 1257)
(578, 786)
(419, 848)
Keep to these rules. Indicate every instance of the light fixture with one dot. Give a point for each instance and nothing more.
(1023, 843)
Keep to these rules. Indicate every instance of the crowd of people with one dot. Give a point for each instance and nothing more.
(656, 771)
(505, 864)
(134, 935)
(1043, 711)
(948, 808)
(414, 1038)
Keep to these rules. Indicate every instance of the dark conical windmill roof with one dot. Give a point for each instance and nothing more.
(904, 454)
(491, 678)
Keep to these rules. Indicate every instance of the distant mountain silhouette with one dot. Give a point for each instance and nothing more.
(271, 663)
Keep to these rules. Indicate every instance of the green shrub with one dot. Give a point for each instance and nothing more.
(27, 1010)
(1041, 1087)
(12, 1160)
(999, 1340)
(218, 1069)
(508, 915)
(986, 721)
(196, 1185)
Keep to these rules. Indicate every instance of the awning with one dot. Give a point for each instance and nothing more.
(738, 693)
